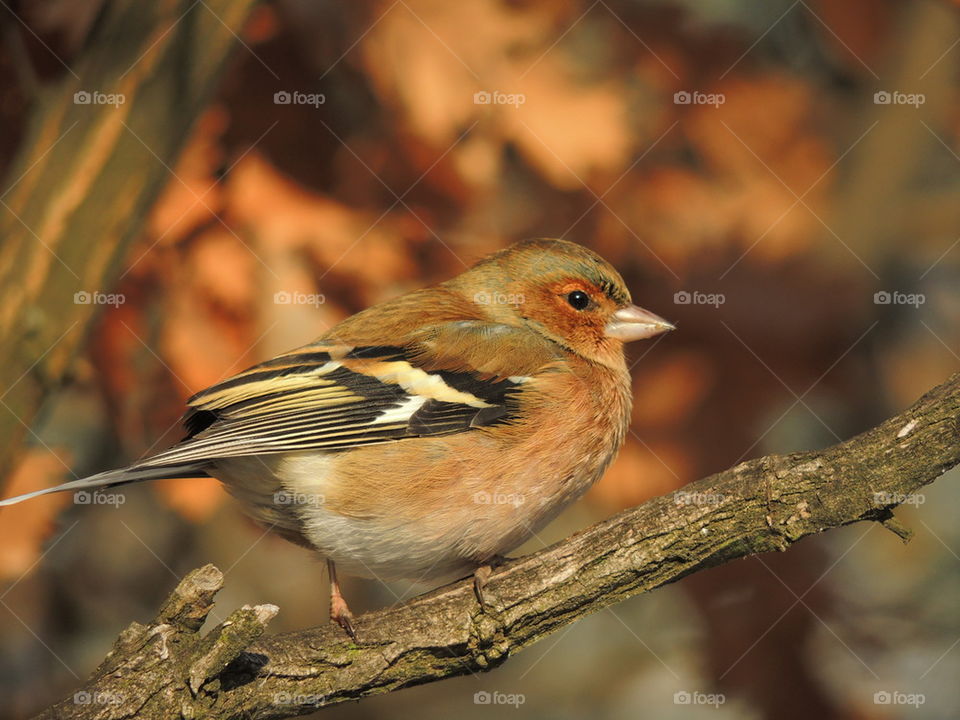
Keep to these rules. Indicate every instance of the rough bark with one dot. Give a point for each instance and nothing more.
(99, 148)
(166, 668)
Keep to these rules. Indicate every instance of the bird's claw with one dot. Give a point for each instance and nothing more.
(341, 615)
(480, 578)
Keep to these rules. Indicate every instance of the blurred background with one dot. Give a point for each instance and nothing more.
(781, 179)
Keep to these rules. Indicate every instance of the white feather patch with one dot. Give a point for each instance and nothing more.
(419, 382)
(403, 412)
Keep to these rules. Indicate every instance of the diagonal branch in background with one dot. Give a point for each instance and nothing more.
(81, 186)
(166, 668)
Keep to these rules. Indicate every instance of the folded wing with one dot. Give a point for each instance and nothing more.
(336, 397)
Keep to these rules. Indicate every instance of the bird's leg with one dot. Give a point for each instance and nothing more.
(480, 577)
(339, 612)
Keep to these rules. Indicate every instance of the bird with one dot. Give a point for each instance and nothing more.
(426, 436)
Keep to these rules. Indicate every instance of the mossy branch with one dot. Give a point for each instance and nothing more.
(166, 669)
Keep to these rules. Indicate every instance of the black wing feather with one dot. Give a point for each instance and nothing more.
(312, 399)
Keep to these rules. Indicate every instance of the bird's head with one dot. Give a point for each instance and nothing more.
(564, 291)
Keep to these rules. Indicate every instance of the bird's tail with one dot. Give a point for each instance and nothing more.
(112, 478)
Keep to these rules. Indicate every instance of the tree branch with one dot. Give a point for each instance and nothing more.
(167, 668)
(97, 153)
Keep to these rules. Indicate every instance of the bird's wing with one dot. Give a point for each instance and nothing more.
(335, 397)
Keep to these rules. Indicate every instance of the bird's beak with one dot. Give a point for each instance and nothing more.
(635, 323)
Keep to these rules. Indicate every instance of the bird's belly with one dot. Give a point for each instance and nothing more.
(288, 496)
(442, 515)
(387, 513)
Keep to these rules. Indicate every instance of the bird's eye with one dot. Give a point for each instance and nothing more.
(578, 300)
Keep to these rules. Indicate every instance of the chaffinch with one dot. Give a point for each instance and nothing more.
(425, 436)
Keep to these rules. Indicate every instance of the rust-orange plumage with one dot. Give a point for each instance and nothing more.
(425, 436)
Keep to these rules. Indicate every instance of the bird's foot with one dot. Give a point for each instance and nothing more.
(339, 612)
(480, 578)
(341, 615)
